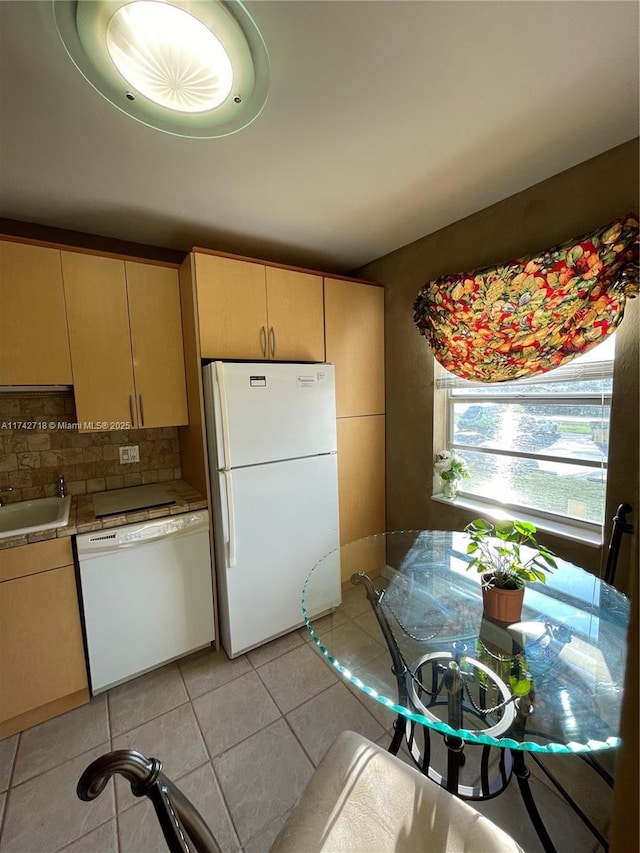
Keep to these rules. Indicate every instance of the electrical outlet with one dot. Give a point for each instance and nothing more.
(129, 454)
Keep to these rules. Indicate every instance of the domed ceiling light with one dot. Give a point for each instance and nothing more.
(195, 68)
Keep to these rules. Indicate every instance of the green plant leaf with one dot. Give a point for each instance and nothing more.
(503, 559)
(524, 527)
(520, 686)
(504, 529)
(479, 524)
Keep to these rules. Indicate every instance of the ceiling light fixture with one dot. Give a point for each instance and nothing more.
(195, 68)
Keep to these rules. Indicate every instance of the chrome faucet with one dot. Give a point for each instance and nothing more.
(61, 486)
(7, 489)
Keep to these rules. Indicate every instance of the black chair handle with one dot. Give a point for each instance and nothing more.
(620, 526)
(183, 827)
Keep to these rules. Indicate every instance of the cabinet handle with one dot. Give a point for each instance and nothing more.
(141, 409)
(272, 335)
(133, 420)
(263, 338)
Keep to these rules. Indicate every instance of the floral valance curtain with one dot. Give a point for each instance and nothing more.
(533, 314)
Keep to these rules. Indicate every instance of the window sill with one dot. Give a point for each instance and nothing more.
(559, 528)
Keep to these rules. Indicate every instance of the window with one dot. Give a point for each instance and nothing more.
(538, 444)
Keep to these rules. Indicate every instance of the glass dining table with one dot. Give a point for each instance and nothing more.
(410, 632)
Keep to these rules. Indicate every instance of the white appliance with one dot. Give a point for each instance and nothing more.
(271, 430)
(147, 595)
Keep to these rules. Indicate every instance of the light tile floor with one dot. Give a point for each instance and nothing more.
(241, 739)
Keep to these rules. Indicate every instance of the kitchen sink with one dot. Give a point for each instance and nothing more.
(31, 516)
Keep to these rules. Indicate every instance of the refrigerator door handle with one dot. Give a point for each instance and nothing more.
(231, 522)
(224, 413)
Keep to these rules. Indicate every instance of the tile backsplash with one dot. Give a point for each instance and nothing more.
(32, 459)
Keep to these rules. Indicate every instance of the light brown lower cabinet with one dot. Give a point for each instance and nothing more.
(361, 485)
(42, 664)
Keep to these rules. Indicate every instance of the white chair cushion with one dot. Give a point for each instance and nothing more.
(362, 799)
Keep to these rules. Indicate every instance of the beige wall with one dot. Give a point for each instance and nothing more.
(561, 207)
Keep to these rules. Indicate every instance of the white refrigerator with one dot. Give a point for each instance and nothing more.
(271, 434)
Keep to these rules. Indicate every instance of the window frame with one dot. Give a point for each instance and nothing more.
(445, 386)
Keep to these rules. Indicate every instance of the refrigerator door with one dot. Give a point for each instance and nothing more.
(268, 412)
(284, 518)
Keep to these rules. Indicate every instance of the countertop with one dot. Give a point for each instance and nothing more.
(82, 518)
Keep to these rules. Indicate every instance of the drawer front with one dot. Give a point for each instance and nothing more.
(35, 558)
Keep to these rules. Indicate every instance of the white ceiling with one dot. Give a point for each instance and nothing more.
(385, 122)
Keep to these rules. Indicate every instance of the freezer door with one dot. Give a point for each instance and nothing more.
(284, 519)
(267, 412)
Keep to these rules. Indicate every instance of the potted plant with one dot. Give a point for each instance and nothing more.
(451, 468)
(506, 554)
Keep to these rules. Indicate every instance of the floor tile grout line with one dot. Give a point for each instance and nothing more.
(215, 775)
(213, 769)
(150, 720)
(84, 835)
(59, 764)
(12, 772)
(115, 796)
(258, 834)
(233, 746)
(38, 775)
(264, 828)
(281, 716)
(7, 794)
(233, 678)
(283, 712)
(302, 746)
(278, 656)
(3, 812)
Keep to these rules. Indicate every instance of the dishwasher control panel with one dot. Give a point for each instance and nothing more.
(105, 541)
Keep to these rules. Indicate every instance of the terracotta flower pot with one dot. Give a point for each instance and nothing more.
(503, 605)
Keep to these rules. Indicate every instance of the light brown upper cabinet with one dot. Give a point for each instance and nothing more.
(249, 310)
(354, 328)
(126, 342)
(296, 315)
(156, 342)
(34, 344)
(232, 308)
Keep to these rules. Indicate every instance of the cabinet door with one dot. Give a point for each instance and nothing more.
(232, 308)
(361, 483)
(296, 315)
(34, 343)
(156, 342)
(354, 324)
(41, 651)
(361, 490)
(96, 295)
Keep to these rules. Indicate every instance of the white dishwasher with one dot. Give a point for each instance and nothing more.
(147, 595)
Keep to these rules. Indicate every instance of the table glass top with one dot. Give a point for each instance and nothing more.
(550, 683)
